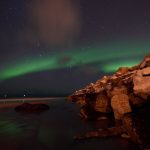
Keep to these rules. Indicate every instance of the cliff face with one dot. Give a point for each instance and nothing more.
(119, 93)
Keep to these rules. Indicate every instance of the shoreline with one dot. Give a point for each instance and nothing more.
(30, 99)
(13, 102)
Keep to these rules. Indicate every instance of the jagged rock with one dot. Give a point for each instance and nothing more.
(133, 125)
(145, 62)
(120, 105)
(142, 83)
(122, 70)
(119, 94)
(118, 90)
(146, 71)
(102, 103)
(136, 100)
(130, 81)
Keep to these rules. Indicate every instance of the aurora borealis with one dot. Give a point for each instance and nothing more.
(53, 47)
(107, 62)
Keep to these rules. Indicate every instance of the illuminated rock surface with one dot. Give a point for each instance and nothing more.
(128, 81)
(122, 92)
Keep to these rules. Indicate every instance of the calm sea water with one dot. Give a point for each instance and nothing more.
(53, 129)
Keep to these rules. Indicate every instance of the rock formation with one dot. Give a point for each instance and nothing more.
(119, 94)
(31, 108)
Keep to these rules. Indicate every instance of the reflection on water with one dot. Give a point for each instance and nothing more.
(53, 129)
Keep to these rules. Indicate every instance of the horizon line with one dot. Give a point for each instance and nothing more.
(30, 99)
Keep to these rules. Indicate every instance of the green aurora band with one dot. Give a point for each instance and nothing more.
(115, 54)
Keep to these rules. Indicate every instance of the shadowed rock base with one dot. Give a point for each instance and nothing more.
(131, 128)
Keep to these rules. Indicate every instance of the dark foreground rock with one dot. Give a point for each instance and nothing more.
(31, 108)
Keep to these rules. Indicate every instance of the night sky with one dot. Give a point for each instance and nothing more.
(53, 47)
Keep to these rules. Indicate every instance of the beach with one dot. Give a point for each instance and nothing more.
(52, 129)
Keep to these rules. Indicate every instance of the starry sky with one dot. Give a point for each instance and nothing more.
(53, 47)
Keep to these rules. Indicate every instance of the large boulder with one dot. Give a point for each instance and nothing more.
(31, 108)
(141, 81)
